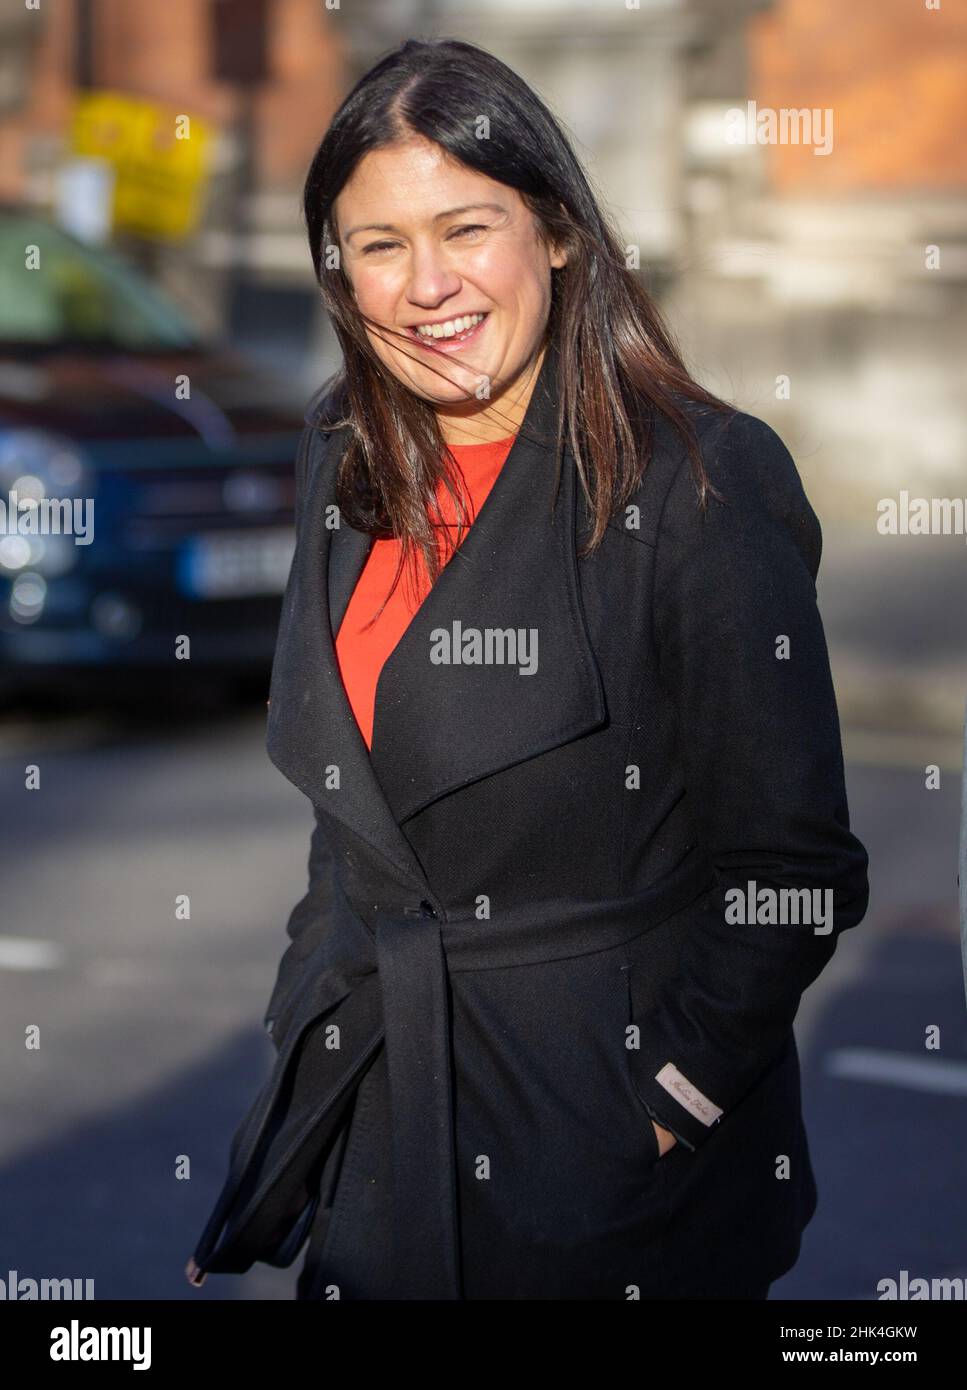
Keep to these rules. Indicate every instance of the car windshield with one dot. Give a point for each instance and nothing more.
(69, 293)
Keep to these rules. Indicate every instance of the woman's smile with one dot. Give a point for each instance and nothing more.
(450, 335)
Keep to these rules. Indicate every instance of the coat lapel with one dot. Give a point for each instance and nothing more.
(517, 676)
(311, 735)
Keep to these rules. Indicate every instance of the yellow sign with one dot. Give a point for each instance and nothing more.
(159, 156)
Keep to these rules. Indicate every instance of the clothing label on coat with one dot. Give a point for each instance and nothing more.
(687, 1095)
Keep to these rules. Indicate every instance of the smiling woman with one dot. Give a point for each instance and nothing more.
(526, 1048)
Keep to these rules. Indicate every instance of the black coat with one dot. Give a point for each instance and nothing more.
(515, 948)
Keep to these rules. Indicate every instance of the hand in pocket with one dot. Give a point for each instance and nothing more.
(666, 1140)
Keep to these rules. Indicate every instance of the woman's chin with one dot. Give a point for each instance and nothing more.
(450, 392)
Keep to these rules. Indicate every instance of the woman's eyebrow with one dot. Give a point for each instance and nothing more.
(450, 212)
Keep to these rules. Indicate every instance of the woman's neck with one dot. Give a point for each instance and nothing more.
(487, 422)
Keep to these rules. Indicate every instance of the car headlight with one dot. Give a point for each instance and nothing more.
(44, 510)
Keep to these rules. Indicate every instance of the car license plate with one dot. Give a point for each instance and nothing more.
(237, 564)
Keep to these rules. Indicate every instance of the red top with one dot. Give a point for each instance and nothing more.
(361, 654)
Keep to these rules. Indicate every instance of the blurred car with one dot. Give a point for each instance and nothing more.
(181, 452)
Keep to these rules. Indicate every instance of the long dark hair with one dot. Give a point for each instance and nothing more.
(617, 364)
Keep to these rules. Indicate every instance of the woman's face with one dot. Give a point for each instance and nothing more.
(426, 241)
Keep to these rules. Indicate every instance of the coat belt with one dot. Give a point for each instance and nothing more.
(390, 984)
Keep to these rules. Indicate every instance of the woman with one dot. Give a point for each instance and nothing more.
(581, 835)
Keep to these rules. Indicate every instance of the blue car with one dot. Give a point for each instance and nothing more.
(146, 476)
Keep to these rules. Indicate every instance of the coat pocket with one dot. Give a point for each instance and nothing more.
(634, 1003)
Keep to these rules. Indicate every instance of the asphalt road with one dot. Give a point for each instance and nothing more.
(151, 1046)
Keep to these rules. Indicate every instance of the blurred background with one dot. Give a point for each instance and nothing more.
(160, 334)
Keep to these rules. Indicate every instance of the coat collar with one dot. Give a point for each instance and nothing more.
(439, 727)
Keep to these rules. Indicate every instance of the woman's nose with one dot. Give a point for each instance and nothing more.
(431, 279)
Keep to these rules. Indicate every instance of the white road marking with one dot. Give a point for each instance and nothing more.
(55, 736)
(941, 1075)
(25, 953)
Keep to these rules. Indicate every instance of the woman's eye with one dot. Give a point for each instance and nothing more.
(377, 246)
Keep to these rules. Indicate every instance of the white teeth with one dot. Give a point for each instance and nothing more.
(451, 328)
